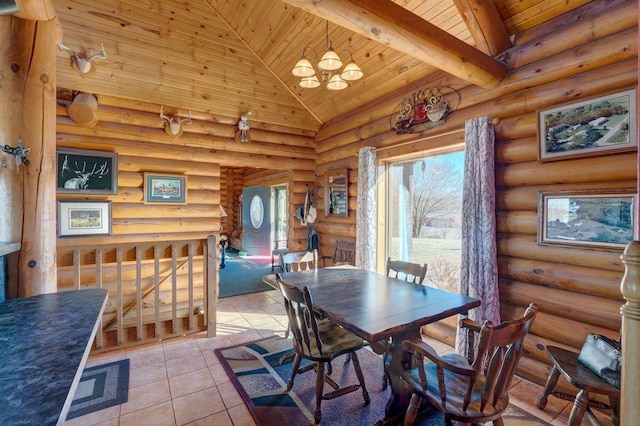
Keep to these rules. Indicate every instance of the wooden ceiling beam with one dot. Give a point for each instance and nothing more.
(485, 25)
(398, 28)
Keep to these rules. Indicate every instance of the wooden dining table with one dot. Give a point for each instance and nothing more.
(377, 307)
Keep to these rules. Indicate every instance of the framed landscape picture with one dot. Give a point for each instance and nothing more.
(76, 218)
(599, 219)
(165, 188)
(82, 171)
(602, 125)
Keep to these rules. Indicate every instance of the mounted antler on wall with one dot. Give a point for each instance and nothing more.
(83, 62)
(173, 125)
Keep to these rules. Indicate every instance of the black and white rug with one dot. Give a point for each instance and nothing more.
(101, 387)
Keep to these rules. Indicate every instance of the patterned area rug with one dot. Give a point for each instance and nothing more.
(101, 387)
(255, 372)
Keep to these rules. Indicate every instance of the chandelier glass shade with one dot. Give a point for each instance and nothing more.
(328, 68)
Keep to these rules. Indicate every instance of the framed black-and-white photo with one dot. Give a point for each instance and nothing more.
(165, 188)
(82, 171)
(590, 218)
(602, 125)
(76, 218)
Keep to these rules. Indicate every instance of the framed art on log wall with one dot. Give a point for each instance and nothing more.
(76, 218)
(81, 171)
(597, 126)
(598, 219)
(165, 188)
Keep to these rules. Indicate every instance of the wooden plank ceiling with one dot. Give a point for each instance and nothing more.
(221, 58)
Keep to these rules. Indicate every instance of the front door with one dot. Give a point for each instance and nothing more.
(256, 220)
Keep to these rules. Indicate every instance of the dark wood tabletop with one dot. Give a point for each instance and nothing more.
(373, 305)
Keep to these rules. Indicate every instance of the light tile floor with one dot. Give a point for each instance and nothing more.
(181, 382)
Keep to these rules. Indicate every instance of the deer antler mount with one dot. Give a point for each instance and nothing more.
(83, 61)
(173, 125)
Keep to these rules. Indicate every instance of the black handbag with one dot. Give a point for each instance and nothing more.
(603, 356)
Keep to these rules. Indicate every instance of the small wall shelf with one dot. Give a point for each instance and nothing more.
(6, 248)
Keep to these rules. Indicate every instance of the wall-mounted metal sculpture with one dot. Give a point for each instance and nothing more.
(18, 152)
(429, 107)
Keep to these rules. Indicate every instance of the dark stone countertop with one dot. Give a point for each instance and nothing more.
(44, 343)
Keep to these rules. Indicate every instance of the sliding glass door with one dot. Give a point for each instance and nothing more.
(424, 207)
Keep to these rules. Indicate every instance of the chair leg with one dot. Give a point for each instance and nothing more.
(294, 371)
(412, 410)
(356, 366)
(319, 389)
(498, 422)
(548, 387)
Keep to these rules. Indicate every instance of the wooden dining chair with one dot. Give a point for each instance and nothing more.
(410, 272)
(344, 253)
(319, 341)
(469, 391)
(299, 261)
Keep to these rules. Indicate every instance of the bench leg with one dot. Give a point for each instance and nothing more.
(548, 388)
(580, 405)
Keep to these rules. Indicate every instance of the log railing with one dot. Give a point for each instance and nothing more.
(629, 407)
(156, 290)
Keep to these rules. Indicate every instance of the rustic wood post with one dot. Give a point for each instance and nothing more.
(211, 263)
(37, 260)
(10, 118)
(630, 287)
(30, 106)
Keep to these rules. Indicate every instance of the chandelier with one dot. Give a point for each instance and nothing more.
(328, 67)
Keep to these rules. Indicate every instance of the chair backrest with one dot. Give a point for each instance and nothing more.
(408, 271)
(499, 350)
(300, 261)
(344, 253)
(304, 327)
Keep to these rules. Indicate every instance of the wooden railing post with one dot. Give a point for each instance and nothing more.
(630, 287)
(212, 285)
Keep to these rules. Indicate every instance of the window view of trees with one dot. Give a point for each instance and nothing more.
(425, 212)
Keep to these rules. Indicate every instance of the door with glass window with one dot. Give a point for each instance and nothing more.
(256, 220)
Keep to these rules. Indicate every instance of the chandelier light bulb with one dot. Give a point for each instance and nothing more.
(337, 83)
(351, 72)
(330, 61)
(303, 68)
(310, 82)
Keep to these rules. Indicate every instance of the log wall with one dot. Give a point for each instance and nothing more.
(138, 137)
(584, 54)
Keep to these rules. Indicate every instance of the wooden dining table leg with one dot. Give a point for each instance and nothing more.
(397, 362)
